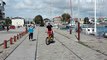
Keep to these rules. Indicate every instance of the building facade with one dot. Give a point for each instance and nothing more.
(18, 21)
(2, 14)
(57, 20)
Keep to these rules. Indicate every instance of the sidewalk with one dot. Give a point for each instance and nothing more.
(100, 45)
(25, 51)
(4, 35)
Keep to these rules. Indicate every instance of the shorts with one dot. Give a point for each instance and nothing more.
(50, 33)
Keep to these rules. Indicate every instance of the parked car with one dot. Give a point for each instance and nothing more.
(105, 35)
(12, 27)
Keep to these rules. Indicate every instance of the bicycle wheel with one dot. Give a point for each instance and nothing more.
(47, 41)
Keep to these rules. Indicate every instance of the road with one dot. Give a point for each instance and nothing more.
(63, 49)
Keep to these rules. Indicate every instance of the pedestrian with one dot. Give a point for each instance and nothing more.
(7, 28)
(30, 30)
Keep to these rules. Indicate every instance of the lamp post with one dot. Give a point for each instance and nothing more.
(95, 30)
(78, 21)
(71, 17)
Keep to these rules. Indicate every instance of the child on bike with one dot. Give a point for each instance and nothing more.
(50, 31)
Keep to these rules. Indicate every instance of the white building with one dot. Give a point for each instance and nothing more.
(57, 20)
(17, 21)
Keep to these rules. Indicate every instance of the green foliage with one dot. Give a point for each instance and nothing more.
(66, 17)
(86, 20)
(39, 20)
(8, 21)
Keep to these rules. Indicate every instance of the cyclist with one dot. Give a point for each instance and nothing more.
(50, 31)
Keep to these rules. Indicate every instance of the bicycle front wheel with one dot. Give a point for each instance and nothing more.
(47, 41)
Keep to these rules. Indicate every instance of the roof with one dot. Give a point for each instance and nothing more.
(17, 18)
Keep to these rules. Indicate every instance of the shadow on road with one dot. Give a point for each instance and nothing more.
(34, 40)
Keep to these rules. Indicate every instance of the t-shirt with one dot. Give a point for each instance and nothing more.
(49, 27)
(31, 29)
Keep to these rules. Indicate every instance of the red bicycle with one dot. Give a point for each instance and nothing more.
(50, 38)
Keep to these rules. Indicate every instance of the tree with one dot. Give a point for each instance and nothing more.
(8, 22)
(39, 20)
(66, 17)
(46, 20)
(86, 20)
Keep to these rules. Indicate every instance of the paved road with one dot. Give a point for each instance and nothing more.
(54, 51)
(99, 45)
(26, 51)
(62, 49)
(4, 35)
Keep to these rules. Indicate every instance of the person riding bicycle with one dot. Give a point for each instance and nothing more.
(50, 31)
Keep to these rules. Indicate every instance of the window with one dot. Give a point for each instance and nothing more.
(93, 29)
(88, 29)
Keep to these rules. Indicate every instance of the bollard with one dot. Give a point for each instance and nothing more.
(24, 32)
(14, 38)
(17, 36)
(70, 31)
(11, 42)
(20, 35)
(78, 31)
(5, 44)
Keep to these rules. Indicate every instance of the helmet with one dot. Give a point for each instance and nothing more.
(48, 23)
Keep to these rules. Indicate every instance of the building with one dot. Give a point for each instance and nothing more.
(2, 14)
(18, 21)
(57, 20)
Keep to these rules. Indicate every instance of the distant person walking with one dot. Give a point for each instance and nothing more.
(31, 30)
(7, 28)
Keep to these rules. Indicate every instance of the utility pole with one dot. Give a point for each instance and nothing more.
(71, 17)
(95, 30)
(78, 21)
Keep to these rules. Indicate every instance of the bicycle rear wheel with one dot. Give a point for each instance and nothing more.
(47, 41)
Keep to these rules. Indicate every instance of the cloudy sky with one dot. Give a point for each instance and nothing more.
(52, 8)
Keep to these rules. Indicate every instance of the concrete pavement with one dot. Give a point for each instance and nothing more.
(81, 51)
(54, 51)
(4, 35)
(63, 49)
(91, 41)
(26, 50)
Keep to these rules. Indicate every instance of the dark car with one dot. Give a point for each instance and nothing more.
(105, 35)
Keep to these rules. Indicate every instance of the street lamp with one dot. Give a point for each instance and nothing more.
(71, 17)
(95, 30)
(78, 21)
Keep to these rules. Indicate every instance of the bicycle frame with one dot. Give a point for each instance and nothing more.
(49, 37)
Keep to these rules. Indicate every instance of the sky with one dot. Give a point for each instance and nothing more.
(54, 8)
